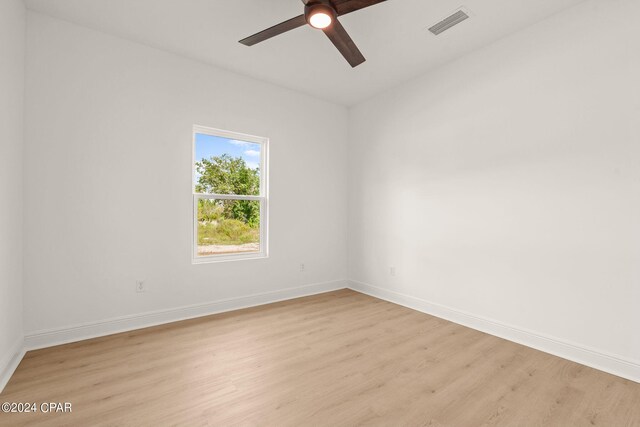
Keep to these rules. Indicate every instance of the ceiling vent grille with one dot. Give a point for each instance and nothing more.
(449, 22)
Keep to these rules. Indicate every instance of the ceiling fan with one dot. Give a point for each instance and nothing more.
(323, 15)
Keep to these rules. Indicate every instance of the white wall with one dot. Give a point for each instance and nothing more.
(506, 185)
(108, 179)
(12, 51)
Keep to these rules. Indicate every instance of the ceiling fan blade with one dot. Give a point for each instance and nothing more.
(341, 39)
(347, 6)
(282, 27)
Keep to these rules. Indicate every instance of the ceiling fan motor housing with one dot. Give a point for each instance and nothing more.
(314, 7)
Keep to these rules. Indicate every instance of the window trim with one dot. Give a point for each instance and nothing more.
(263, 198)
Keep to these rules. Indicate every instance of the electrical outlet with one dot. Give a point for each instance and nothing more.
(141, 286)
(301, 267)
(392, 271)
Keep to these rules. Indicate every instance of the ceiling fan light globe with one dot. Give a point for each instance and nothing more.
(320, 20)
(319, 15)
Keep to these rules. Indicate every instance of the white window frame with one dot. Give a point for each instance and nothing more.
(263, 198)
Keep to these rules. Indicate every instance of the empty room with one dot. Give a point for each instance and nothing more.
(320, 213)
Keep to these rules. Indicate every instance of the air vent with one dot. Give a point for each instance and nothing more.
(449, 22)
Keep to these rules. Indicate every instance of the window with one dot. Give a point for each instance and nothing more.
(230, 203)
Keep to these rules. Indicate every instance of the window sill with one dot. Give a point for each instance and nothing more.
(230, 257)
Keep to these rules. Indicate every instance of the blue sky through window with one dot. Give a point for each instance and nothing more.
(208, 146)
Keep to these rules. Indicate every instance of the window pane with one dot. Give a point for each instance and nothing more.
(226, 166)
(228, 226)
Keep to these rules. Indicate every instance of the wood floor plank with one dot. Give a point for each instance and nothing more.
(335, 359)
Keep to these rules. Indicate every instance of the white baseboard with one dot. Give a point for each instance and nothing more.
(612, 364)
(52, 337)
(590, 357)
(10, 362)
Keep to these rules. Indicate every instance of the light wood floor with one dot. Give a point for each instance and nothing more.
(336, 359)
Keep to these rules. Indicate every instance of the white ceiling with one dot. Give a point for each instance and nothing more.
(392, 36)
